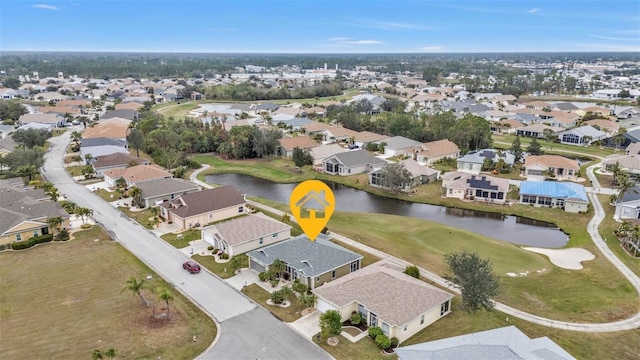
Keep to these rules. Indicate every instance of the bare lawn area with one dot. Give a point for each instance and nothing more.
(64, 300)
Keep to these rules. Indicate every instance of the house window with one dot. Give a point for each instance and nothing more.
(241, 209)
(479, 193)
(261, 240)
(404, 328)
(333, 274)
(500, 195)
(354, 266)
(18, 237)
(35, 232)
(274, 235)
(444, 308)
(318, 278)
(385, 328)
(421, 319)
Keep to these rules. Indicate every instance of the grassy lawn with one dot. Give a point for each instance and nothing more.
(363, 349)
(546, 145)
(176, 110)
(142, 216)
(260, 295)
(580, 345)
(106, 195)
(367, 259)
(223, 270)
(597, 293)
(75, 170)
(607, 227)
(179, 243)
(67, 306)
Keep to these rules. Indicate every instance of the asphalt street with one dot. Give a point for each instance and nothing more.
(247, 331)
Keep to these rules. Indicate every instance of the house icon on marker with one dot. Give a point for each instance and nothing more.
(312, 199)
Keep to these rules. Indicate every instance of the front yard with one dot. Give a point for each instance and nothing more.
(223, 270)
(286, 314)
(182, 240)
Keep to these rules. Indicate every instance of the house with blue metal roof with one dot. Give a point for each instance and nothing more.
(570, 197)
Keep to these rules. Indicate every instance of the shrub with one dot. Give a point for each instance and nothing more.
(394, 342)
(215, 250)
(263, 276)
(325, 230)
(224, 256)
(170, 222)
(383, 341)
(210, 247)
(330, 323)
(374, 332)
(277, 297)
(19, 245)
(299, 287)
(274, 282)
(42, 238)
(286, 276)
(85, 226)
(63, 235)
(355, 319)
(412, 270)
(2, 247)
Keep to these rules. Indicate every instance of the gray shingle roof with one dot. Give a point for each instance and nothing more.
(204, 201)
(117, 159)
(310, 258)
(357, 157)
(159, 187)
(102, 142)
(122, 113)
(507, 343)
(399, 143)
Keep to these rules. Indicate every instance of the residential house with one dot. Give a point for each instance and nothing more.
(629, 162)
(564, 106)
(628, 113)
(537, 167)
(608, 126)
(628, 207)
(502, 343)
(384, 296)
(537, 130)
(245, 233)
(156, 191)
(203, 207)
(319, 153)
(473, 161)
(113, 128)
(292, 124)
(583, 135)
(430, 152)
(114, 161)
(508, 126)
(398, 145)
(48, 119)
(363, 138)
(95, 147)
(313, 262)
(24, 212)
(135, 174)
(129, 114)
(568, 196)
(419, 175)
(351, 163)
(288, 143)
(472, 187)
(526, 118)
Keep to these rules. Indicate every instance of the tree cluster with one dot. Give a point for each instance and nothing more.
(11, 111)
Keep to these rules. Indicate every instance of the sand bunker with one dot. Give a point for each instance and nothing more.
(565, 258)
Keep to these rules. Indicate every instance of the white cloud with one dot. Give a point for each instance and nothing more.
(431, 48)
(613, 38)
(533, 11)
(392, 26)
(339, 40)
(45, 7)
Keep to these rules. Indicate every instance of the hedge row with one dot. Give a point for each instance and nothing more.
(19, 245)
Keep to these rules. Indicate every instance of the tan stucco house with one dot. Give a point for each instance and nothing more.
(203, 207)
(245, 233)
(386, 297)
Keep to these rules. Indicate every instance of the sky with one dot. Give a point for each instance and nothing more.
(313, 26)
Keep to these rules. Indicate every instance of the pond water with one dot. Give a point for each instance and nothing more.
(514, 229)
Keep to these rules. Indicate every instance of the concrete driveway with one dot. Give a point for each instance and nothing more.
(245, 329)
(246, 277)
(307, 325)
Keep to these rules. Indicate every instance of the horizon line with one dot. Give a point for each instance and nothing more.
(323, 53)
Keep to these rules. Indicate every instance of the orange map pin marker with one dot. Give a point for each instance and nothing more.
(312, 203)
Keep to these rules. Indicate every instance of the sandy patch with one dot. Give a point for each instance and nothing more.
(565, 258)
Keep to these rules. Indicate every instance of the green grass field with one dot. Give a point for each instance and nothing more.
(286, 314)
(183, 241)
(63, 300)
(506, 140)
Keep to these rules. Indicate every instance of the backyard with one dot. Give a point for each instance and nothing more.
(49, 311)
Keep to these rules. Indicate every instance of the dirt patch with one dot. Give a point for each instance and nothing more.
(307, 311)
(351, 330)
(533, 299)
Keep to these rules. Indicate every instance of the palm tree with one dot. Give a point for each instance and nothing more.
(53, 192)
(27, 171)
(69, 207)
(83, 213)
(136, 195)
(166, 296)
(625, 185)
(278, 267)
(135, 286)
(76, 136)
(616, 170)
(54, 223)
(286, 292)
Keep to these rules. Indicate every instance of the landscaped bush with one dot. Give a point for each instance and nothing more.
(394, 342)
(85, 226)
(263, 276)
(42, 238)
(286, 276)
(2, 247)
(210, 247)
(19, 245)
(383, 341)
(355, 319)
(299, 287)
(63, 235)
(277, 297)
(412, 270)
(374, 332)
(215, 250)
(274, 282)
(224, 256)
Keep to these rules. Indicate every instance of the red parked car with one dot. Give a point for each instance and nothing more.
(191, 266)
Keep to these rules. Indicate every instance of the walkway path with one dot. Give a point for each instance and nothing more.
(627, 324)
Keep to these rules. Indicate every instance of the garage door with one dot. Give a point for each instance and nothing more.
(255, 266)
(323, 306)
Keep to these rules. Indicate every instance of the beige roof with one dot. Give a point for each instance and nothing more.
(553, 161)
(540, 128)
(633, 149)
(113, 128)
(139, 173)
(507, 97)
(342, 131)
(537, 104)
(287, 110)
(605, 125)
(129, 105)
(368, 136)
(416, 169)
(79, 102)
(246, 228)
(563, 117)
(597, 110)
(202, 202)
(512, 122)
(317, 126)
(320, 153)
(438, 148)
(117, 159)
(395, 297)
(58, 109)
(40, 118)
(301, 142)
(628, 162)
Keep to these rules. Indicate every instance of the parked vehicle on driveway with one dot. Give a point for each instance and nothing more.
(191, 266)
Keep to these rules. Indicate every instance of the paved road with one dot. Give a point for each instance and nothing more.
(246, 330)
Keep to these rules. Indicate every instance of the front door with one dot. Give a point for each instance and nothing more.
(373, 319)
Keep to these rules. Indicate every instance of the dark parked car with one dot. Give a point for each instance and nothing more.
(191, 266)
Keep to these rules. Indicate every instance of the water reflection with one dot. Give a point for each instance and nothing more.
(513, 229)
